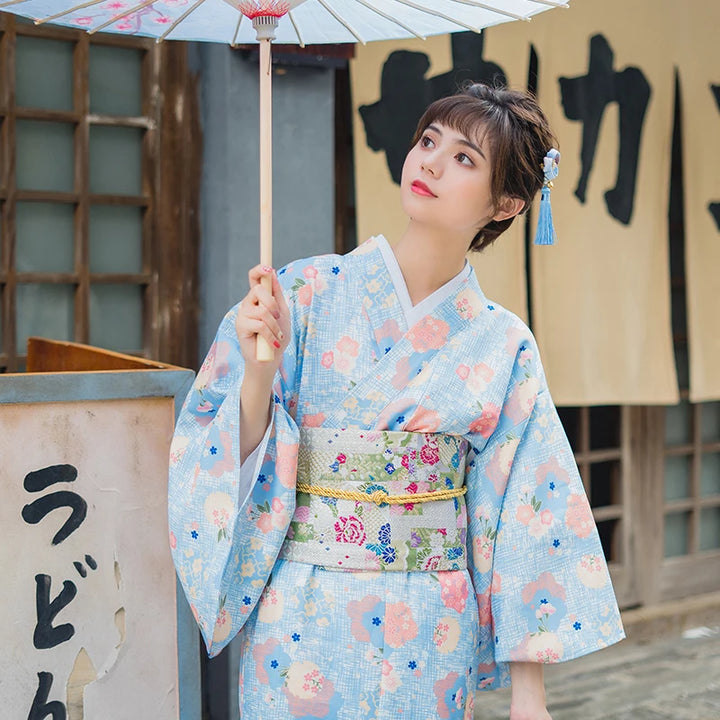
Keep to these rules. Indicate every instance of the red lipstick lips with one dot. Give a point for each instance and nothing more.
(420, 188)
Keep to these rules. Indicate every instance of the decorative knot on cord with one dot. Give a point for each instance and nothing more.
(263, 8)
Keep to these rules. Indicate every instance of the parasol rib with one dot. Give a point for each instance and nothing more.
(11, 2)
(296, 28)
(348, 27)
(551, 3)
(392, 19)
(41, 21)
(237, 30)
(437, 13)
(132, 10)
(180, 19)
(491, 8)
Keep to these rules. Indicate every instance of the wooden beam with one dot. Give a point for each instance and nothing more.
(176, 217)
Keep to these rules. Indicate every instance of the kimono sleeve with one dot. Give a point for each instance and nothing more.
(544, 591)
(224, 543)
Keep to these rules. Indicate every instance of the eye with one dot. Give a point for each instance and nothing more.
(464, 159)
(426, 141)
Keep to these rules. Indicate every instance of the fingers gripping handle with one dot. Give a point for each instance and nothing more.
(263, 351)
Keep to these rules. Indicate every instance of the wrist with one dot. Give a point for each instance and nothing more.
(256, 390)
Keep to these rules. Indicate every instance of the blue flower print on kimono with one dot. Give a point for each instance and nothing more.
(433, 612)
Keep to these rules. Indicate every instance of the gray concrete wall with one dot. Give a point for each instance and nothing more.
(303, 197)
(303, 172)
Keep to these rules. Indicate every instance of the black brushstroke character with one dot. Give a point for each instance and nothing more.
(405, 93)
(45, 635)
(714, 207)
(35, 511)
(41, 709)
(585, 99)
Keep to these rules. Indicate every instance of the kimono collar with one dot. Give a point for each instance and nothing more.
(414, 312)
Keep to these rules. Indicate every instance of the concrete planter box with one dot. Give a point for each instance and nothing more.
(91, 624)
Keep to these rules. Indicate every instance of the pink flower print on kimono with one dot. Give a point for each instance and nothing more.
(446, 634)
(223, 624)
(483, 542)
(592, 571)
(498, 469)
(487, 420)
(389, 679)
(424, 420)
(453, 589)
(484, 601)
(177, 448)
(430, 333)
(455, 700)
(309, 693)
(400, 627)
(476, 378)
(311, 282)
(578, 516)
(218, 509)
(468, 304)
(269, 516)
(521, 401)
(404, 371)
(271, 605)
(345, 354)
(203, 404)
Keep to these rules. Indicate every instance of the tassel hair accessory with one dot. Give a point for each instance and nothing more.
(545, 234)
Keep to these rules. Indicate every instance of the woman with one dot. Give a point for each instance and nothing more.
(408, 525)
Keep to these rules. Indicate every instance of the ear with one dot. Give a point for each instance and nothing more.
(509, 207)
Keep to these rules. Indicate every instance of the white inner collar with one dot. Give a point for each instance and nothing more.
(413, 313)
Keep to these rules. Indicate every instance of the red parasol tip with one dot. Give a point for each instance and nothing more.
(263, 8)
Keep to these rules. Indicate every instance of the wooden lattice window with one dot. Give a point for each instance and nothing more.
(692, 479)
(84, 245)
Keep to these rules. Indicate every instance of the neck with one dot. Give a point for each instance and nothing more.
(428, 259)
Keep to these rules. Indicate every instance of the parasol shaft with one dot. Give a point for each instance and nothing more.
(264, 351)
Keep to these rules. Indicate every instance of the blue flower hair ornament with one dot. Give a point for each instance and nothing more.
(545, 234)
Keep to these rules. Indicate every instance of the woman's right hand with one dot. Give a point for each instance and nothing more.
(266, 314)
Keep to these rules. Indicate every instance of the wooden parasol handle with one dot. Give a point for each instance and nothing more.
(264, 353)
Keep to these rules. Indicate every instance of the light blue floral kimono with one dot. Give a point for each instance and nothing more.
(320, 642)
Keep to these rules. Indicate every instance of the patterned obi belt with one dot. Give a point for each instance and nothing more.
(379, 500)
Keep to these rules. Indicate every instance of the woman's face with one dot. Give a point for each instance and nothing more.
(446, 181)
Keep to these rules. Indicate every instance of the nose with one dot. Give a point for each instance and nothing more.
(430, 164)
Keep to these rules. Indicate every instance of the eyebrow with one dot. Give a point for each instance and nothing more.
(461, 141)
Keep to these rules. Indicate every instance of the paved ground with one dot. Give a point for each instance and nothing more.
(667, 679)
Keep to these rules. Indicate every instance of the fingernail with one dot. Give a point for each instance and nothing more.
(276, 343)
(267, 269)
(277, 317)
(281, 335)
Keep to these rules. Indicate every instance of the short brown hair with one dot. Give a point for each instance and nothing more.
(519, 137)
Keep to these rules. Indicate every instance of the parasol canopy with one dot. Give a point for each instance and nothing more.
(300, 21)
